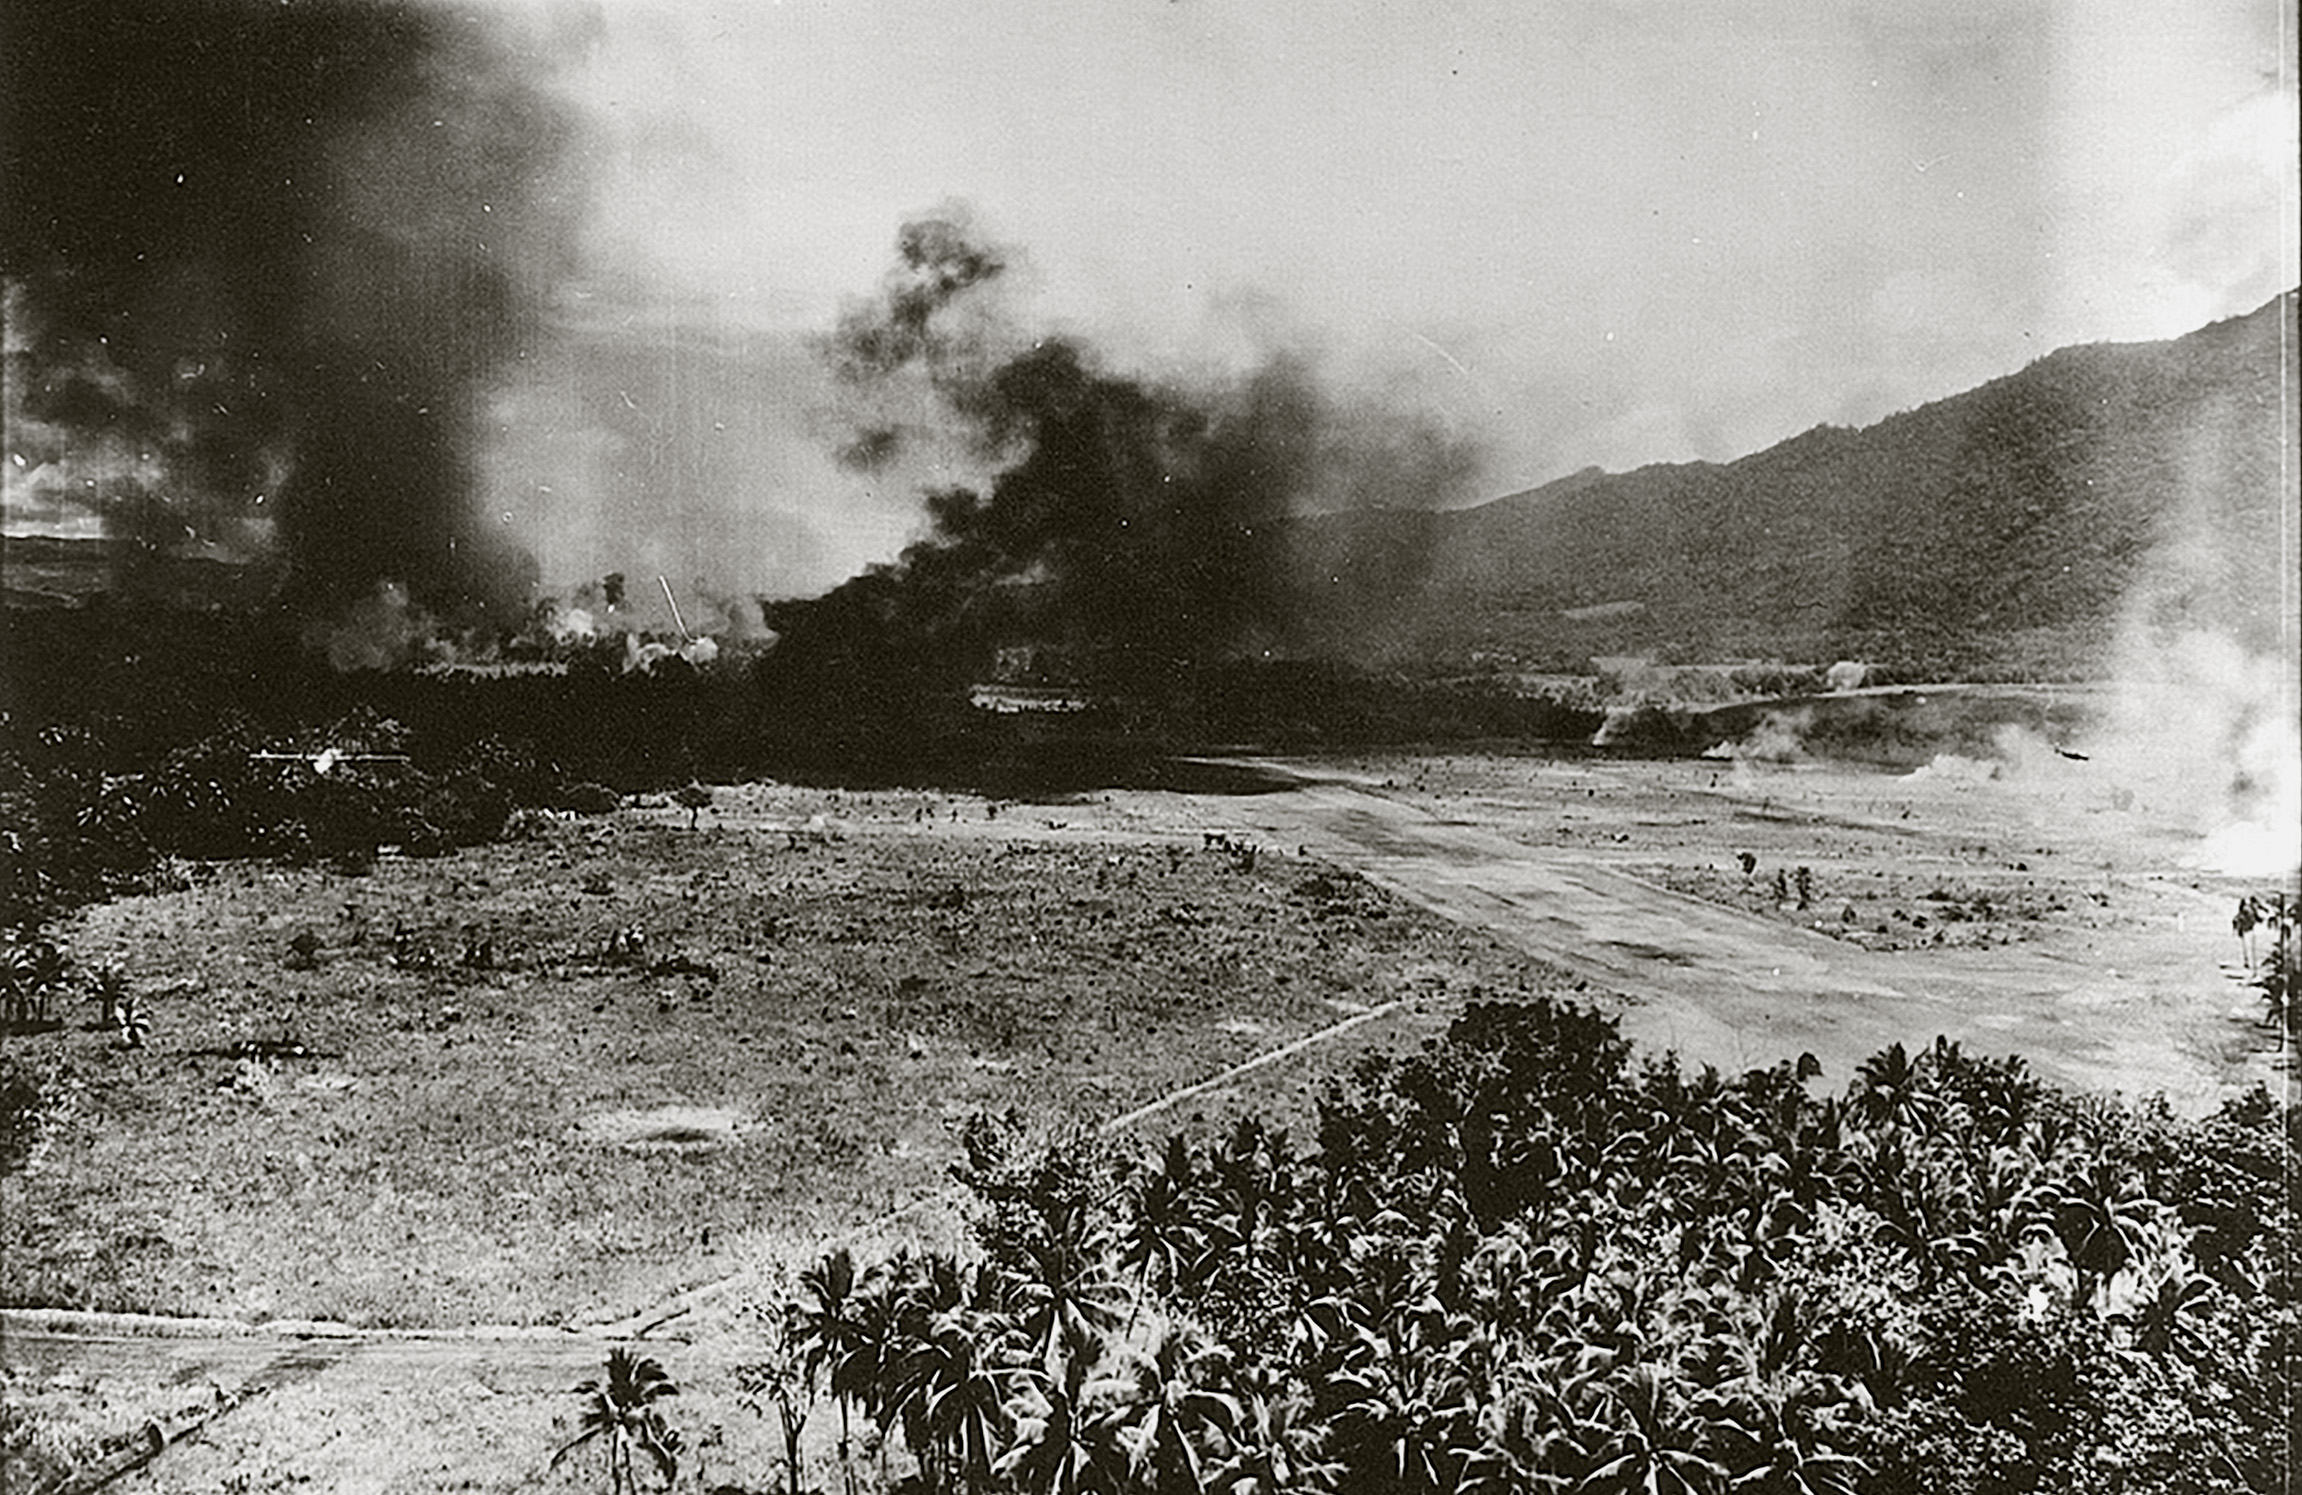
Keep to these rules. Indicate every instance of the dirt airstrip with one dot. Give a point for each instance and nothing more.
(2036, 911)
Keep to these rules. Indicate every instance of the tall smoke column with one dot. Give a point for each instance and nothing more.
(1140, 525)
(287, 248)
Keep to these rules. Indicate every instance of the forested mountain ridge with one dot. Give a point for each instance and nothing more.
(2012, 526)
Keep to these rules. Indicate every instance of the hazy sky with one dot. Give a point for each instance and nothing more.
(1589, 232)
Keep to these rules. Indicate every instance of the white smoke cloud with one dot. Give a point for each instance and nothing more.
(2204, 732)
(1956, 768)
(567, 625)
(1779, 737)
(1847, 674)
(2175, 160)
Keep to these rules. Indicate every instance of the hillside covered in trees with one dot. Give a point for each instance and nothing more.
(2011, 527)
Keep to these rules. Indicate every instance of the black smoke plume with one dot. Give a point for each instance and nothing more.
(939, 259)
(1135, 530)
(280, 251)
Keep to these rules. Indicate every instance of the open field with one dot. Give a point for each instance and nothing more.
(470, 1096)
(460, 1092)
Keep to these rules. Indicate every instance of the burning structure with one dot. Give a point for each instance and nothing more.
(267, 266)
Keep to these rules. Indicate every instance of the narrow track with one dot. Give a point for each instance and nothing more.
(246, 1361)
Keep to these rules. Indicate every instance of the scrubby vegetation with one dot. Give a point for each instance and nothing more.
(29, 1096)
(1523, 1260)
(144, 741)
(2269, 930)
(89, 819)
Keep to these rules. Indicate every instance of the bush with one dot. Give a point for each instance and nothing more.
(464, 809)
(587, 799)
(1778, 680)
(34, 973)
(28, 1101)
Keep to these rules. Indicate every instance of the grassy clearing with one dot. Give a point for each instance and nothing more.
(393, 1099)
(52, 1425)
(406, 1427)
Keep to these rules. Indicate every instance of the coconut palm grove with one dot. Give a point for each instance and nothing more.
(1527, 1259)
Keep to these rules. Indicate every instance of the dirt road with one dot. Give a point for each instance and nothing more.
(260, 1409)
(235, 1358)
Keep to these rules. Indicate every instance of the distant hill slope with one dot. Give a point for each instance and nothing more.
(2011, 527)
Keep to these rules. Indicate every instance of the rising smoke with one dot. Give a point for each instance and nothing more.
(2202, 732)
(1135, 528)
(2205, 725)
(265, 260)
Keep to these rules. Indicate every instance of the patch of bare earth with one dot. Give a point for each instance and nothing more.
(560, 1079)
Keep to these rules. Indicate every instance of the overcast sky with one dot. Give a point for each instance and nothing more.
(1609, 233)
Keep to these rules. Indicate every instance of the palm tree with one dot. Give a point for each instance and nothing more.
(1892, 1090)
(2279, 973)
(832, 1337)
(2053, 1131)
(1566, 1414)
(2244, 923)
(134, 1025)
(1656, 1449)
(621, 1408)
(1404, 1418)
(787, 1378)
(1068, 1302)
(1166, 1229)
(1809, 1168)
(1159, 1418)
(1515, 1449)
(32, 971)
(1051, 1453)
(2004, 1203)
(1245, 1171)
(1996, 1097)
(960, 1397)
(1503, 1279)
(921, 1329)
(2159, 1322)
(1330, 1333)
(2100, 1214)
(1922, 1213)
(1782, 1334)
(1266, 1441)
(109, 985)
(876, 1316)
(1769, 1455)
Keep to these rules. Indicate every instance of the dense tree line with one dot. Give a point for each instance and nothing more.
(1527, 1260)
(129, 737)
